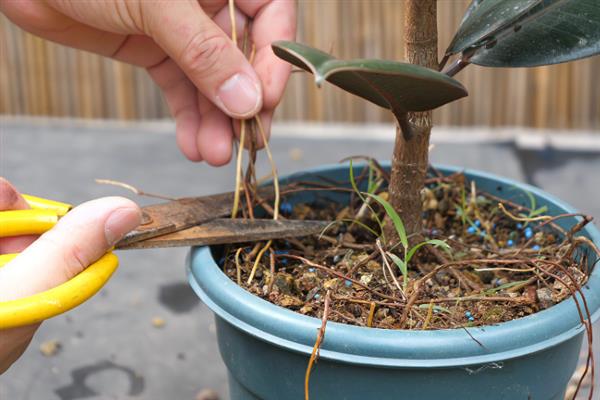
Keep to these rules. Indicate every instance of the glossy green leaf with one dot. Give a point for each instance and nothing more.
(525, 33)
(397, 86)
(484, 19)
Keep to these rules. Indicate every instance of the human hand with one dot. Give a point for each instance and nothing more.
(185, 47)
(78, 239)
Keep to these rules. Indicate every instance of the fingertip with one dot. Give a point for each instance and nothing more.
(10, 198)
(215, 135)
(219, 151)
(186, 128)
(240, 96)
(121, 220)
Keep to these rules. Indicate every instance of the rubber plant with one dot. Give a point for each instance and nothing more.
(494, 33)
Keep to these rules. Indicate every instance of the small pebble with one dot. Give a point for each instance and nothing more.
(348, 283)
(50, 347)
(158, 322)
(510, 243)
(499, 282)
(207, 394)
(471, 230)
(545, 297)
(286, 208)
(528, 232)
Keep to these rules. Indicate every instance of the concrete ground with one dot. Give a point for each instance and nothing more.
(110, 348)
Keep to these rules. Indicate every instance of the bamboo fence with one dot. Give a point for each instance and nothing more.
(42, 78)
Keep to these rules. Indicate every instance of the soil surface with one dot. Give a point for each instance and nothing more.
(490, 261)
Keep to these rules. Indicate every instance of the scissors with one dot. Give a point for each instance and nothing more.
(192, 221)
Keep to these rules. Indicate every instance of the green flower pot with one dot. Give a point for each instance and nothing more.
(266, 347)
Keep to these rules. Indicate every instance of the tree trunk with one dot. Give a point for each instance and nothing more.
(411, 153)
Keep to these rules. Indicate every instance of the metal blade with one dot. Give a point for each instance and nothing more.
(159, 219)
(225, 230)
(177, 215)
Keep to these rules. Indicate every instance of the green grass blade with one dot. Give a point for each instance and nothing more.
(353, 221)
(532, 202)
(370, 181)
(435, 308)
(432, 242)
(463, 204)
(364, 200)
(394, 217)
(538, 211)
(502, 287)
(403, 268)
(353, 183)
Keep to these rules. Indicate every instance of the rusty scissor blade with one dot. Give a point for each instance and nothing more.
(160, 219)
(180, 214)
(225, 230)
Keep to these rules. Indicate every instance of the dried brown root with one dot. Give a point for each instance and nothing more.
(315, 352)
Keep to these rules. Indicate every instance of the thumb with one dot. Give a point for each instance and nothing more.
(78, 239)
(207, 56)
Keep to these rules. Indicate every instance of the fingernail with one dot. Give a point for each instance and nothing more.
(119, 222)
(240, 95)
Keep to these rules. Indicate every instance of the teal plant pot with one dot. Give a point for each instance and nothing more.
(266, 347)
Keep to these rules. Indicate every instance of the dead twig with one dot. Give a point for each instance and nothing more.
(257, 261)
(474, 298)
(315, 352)
(133, 189)
(371, 314)
(386, 264)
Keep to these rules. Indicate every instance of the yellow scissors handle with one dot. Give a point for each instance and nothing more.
(41, 306)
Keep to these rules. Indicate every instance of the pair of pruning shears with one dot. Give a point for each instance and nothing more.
(192, 221)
